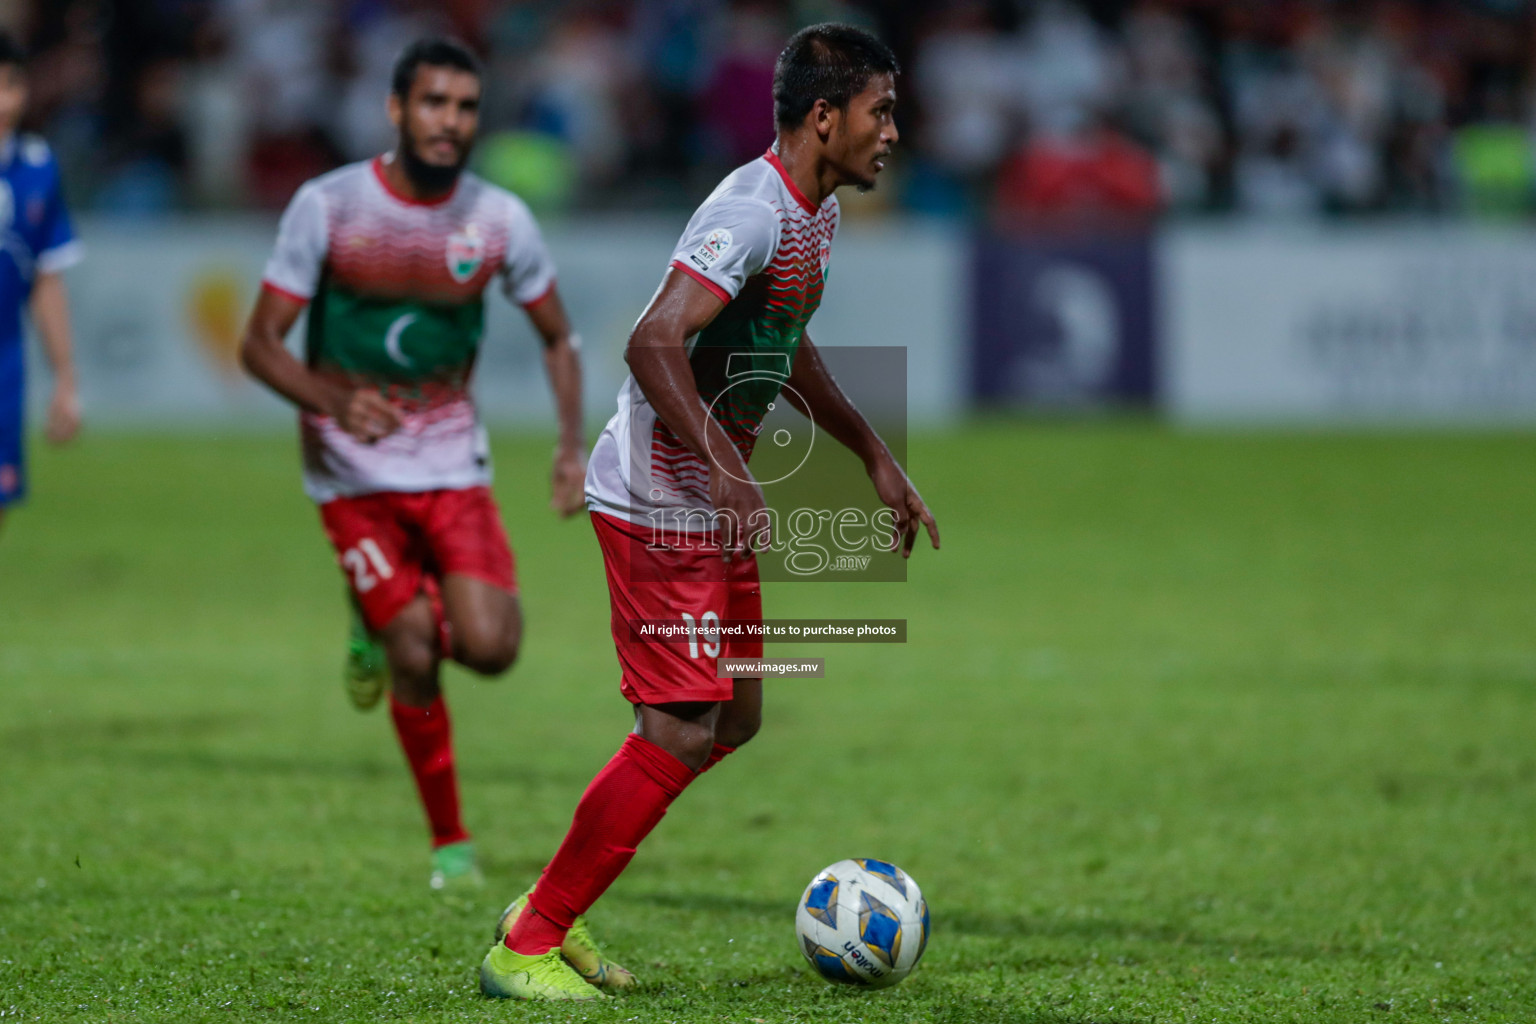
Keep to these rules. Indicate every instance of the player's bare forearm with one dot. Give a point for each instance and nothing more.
(266, 358)
(663, 373)
(50, 315)
(568, 475)
(363, 413)
(563, 365)
(562, 361)
(815, 392)
(658, 357)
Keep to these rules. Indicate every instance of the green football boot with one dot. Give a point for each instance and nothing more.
(367, 669)
(508, 975)
(454, 868)
(580, 950)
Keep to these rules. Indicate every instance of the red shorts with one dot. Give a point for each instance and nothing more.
(393, 545)
(667, 584)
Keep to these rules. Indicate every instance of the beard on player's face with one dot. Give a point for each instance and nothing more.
(427, 176)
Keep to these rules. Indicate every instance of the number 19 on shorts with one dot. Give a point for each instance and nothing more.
(707, 628)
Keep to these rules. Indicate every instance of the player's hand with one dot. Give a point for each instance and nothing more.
(893, 487)
(367, 415)
(568, 482)
(63, 414)
(734, 492)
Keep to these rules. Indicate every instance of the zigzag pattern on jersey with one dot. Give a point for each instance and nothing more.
(388, 263)
(678, 473)
(426, 400)
(796, 274)
(449, 421)
(795, 279)
(380, 247)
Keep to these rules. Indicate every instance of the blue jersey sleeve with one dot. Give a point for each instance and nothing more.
(57, 246)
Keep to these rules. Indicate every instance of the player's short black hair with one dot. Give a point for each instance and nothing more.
(433, 51)
(11, 53)
(829, 62)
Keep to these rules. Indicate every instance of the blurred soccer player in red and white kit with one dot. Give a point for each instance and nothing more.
(742, 283)
(392, 257)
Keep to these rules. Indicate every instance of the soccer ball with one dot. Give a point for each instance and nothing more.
(863, 922)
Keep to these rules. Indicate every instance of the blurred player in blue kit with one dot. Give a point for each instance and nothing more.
(38, 243)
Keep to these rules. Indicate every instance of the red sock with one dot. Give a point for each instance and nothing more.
(716, 755)
(618, 810)
(427, 740)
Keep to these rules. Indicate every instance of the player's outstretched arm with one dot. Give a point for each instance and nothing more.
(815, 392)
(658, 357)
(562, 360)
(50, 315)
(361, 412)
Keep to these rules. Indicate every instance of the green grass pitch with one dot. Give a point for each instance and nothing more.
(1189, 727)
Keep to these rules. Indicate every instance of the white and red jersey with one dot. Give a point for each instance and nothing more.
(763, 248)
(396, 291)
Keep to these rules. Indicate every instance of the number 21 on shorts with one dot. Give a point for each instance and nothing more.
(708, 627)
(367, 565)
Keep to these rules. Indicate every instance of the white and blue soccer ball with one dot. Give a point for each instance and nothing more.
(863, 922)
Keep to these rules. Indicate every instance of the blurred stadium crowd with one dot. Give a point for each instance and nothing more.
(1014, 108)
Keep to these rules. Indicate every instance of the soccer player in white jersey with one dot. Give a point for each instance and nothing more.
(743, 281)
(392, 257)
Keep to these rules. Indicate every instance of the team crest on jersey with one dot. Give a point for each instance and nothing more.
(466, 251)
(715, 246)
